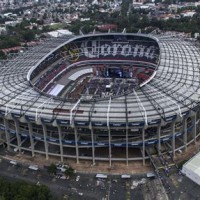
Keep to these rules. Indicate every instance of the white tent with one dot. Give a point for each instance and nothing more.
(125, 176)
(13, 162)
(33, 167)
(101, 176)
(59, 32)
(192, 169)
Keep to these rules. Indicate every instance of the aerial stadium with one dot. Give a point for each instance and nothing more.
(102, 97)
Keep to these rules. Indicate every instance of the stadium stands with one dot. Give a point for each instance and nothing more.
(164, 112)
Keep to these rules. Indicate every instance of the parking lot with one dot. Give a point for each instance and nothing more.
(113, 187)
(80, 186)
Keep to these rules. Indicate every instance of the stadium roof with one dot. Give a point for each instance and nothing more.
(173, 92)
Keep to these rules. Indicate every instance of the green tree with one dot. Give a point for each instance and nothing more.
(8, 41)
(28, 35)
(52, 169)
(45, 16)
(2, 55)
(69, 171)
(23, 191)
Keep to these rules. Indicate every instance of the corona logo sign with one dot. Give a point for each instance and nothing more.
(95, 49)
(70, 52)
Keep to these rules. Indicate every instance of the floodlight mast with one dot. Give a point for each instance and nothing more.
(141, 105)
(108, 111)
(36, 112)
(72, 110)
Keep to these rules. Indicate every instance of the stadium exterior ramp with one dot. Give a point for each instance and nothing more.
(162, 114)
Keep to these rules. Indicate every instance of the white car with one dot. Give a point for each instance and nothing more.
(77, 178)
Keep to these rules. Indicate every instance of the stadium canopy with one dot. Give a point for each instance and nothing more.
(192, 169)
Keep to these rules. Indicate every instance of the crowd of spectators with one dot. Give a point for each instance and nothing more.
(44, 65)
(104, 87)
(131, 48)
(46, 78)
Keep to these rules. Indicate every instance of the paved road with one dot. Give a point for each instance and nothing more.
(113, 188)
(58, 187)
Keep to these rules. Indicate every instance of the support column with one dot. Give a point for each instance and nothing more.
(143, 145)
(127, 129)
(110, 151)
(127, 153)
(1, 131)
(159, 143)
(173, 139)
(194, 130)
(93, 148)
(1, 135)
(185, 133)
(60, 142)
(45, 140)
(30, 127)
(17, 135)
(7, 134)
(76, 143)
